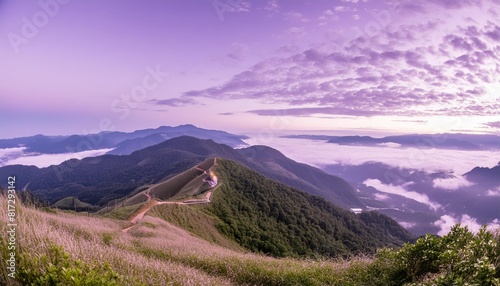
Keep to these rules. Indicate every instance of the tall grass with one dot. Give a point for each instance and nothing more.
(69, 247)
(154, 252)
(93, 241)
(194, 220)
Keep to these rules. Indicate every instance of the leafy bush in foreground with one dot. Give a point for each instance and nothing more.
(58, 268)
(458, 258)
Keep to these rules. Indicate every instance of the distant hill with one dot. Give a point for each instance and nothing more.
(438, 141)
(74, 204)
(123, 142)
(487, 179)
(164, 133)
(485, 176)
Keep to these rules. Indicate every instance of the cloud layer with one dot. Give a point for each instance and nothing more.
(419, 66)
(46, 160)
(319, 153)
(400, 190)
(451, 184)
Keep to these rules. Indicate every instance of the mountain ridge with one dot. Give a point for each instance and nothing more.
(116, 175)
(123, 142)
(454, 141)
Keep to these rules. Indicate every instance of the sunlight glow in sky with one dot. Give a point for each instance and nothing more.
(409, 66)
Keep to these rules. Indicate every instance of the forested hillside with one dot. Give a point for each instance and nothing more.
(269, 217)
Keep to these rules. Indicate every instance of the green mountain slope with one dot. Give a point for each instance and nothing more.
(266, 216)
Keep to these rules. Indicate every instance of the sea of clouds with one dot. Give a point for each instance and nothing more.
(14, 156)
(320, 154)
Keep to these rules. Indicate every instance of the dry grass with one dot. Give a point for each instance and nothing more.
(190, 218)
(83, 237)
(155, 252)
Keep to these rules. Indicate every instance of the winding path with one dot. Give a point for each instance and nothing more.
(208, 196)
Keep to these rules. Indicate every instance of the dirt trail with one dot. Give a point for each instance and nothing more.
(198, 168)
(146, 193)
(138, 217)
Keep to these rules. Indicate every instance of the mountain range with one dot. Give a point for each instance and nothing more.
(438, 141)
(123, 143)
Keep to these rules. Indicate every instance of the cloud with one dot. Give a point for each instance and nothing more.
(381, 196)
(411, 121)
(446, 222)
(7, 154)
(296, 32)
(341, 8)
(226, 113)
(287, 49)
(494, 193)
(320, 154)
(294, 16)
(46, 160)
(407, 224)
(389, 144)
(455, 4)
(326, 17)
(272, 5)
(494, 124)
(400, 190)
(239, 51)
(451, 184)
(174, 102)
(408, 68)
(427, 6)
(311, 111)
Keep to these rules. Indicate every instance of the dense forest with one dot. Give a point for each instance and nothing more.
(268, 217)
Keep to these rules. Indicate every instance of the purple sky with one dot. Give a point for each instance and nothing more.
(405, 66)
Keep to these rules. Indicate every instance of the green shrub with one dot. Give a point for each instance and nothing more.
(58, 268)
(469, 259)
(421, 258)
(458, 258)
